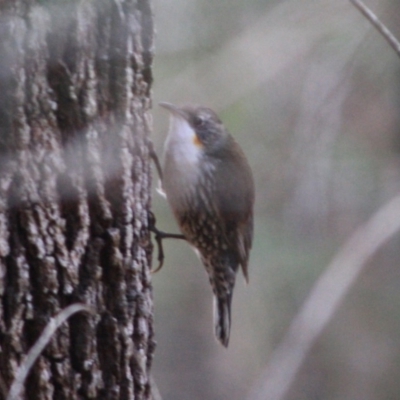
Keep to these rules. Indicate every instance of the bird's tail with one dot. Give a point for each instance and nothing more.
(222, 318)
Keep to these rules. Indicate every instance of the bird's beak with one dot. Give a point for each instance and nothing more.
(175, 110)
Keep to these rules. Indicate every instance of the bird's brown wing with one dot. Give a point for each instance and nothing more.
(235, 194)
(244, 240)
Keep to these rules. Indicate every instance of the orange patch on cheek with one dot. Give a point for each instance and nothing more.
(197, 142)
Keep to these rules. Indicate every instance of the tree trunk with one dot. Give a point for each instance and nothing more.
(75, 80)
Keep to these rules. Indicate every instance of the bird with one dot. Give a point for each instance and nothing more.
(209, 186)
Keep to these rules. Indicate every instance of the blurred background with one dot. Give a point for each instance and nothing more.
(311, 92)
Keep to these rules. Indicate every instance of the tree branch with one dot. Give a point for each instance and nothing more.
(323, 301)
(383, 30)
(40, 344)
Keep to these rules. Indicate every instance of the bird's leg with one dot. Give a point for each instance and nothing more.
(159, 236)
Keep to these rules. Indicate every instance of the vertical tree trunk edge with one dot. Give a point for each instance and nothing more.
(75, 181)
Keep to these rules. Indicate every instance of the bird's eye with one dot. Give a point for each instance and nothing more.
(198, 121)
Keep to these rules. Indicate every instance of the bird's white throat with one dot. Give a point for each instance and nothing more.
(180, 145)
(182, 160)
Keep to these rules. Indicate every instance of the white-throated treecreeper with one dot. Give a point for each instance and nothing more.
(209, 187)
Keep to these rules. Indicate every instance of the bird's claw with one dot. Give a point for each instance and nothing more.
(159, 236)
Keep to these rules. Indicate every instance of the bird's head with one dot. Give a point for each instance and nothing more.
(197, 125)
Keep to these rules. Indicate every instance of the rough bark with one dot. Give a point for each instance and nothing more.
(75, 80)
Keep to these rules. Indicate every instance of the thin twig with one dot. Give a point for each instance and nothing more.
(154, 157)
(323, 301)
(40, 344)
(383, 30)
(155, 393)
